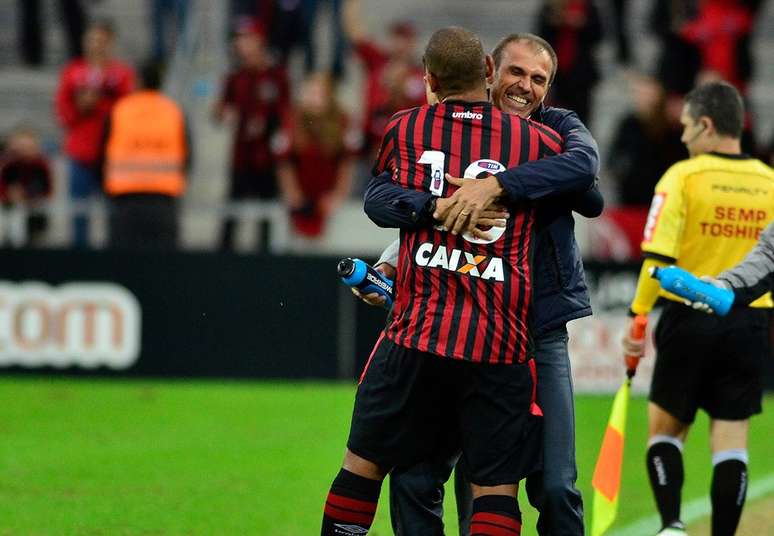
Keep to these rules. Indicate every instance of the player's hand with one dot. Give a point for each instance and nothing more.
(632, 347)
(374, 298)
(86, 99)
(701, 306)
(714, 282)
(468, 202)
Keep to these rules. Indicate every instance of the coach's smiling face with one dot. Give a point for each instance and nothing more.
(521, 80)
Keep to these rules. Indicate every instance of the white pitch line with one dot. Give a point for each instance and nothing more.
(693, 510)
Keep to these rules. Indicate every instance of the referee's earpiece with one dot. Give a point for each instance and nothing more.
(698, 133)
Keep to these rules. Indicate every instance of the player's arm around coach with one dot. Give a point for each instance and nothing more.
(755, 274)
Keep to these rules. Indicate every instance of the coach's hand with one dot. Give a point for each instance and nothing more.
(374, 298)
(495, 215)
(470, 207)
(467, 204)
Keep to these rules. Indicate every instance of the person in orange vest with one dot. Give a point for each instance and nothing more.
(145, 158)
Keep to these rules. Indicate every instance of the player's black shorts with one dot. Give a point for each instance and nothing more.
(710, 362)
(411, 405)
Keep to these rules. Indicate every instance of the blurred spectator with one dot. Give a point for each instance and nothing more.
(623, 50)
(145, 153)
(394, 79)
(646, 142)
(255, 98)
(679, 60)
(31, 29)
(25, 179)
(768, 154)
(574, 29)
(167, 20)
(253, 9)
(721, 32)
(316, 154)
(288, 27)
(88, 89)
(311, 11)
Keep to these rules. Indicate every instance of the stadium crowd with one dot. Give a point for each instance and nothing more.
(295, 143)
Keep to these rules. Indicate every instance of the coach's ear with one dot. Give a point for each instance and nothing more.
(489, 69)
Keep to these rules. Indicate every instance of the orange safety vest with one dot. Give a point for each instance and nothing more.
(146, 149)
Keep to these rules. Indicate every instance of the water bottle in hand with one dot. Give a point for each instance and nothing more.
(365, 278)
(686, 285)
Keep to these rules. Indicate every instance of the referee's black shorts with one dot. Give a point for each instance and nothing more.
(710, 362)
(410, 405)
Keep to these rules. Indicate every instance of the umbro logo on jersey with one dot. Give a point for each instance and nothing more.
(455, 260)
(467, 114)
(349, 529)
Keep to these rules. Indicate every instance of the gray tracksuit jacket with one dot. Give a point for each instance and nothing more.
(754, 276)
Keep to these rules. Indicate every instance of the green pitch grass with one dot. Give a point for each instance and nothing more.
(152, 457)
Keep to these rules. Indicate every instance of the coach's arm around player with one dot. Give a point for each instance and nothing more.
(572, 171)
(568, 179)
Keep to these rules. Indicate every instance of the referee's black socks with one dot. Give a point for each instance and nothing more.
(495, 515)
(351, 505)
(729, 489)
(665, 469)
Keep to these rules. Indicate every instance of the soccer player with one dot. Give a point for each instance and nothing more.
(457, 352)
(524, 67)
(750, 278)
(706, 215)
(754, 274)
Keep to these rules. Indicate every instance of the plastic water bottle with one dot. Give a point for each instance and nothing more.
(365, 278)
(688, 286)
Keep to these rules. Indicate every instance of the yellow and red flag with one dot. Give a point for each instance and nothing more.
(607, 473)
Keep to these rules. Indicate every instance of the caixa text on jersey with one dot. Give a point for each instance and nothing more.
(488, 268)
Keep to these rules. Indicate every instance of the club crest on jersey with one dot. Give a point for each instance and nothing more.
(429, 255)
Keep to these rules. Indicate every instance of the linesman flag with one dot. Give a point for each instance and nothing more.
(607, 472)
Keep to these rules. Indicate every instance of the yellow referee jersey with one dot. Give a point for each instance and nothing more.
(708, 212)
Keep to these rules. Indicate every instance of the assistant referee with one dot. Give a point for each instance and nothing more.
(706, 215)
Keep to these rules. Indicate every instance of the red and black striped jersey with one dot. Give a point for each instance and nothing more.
(457, 296)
